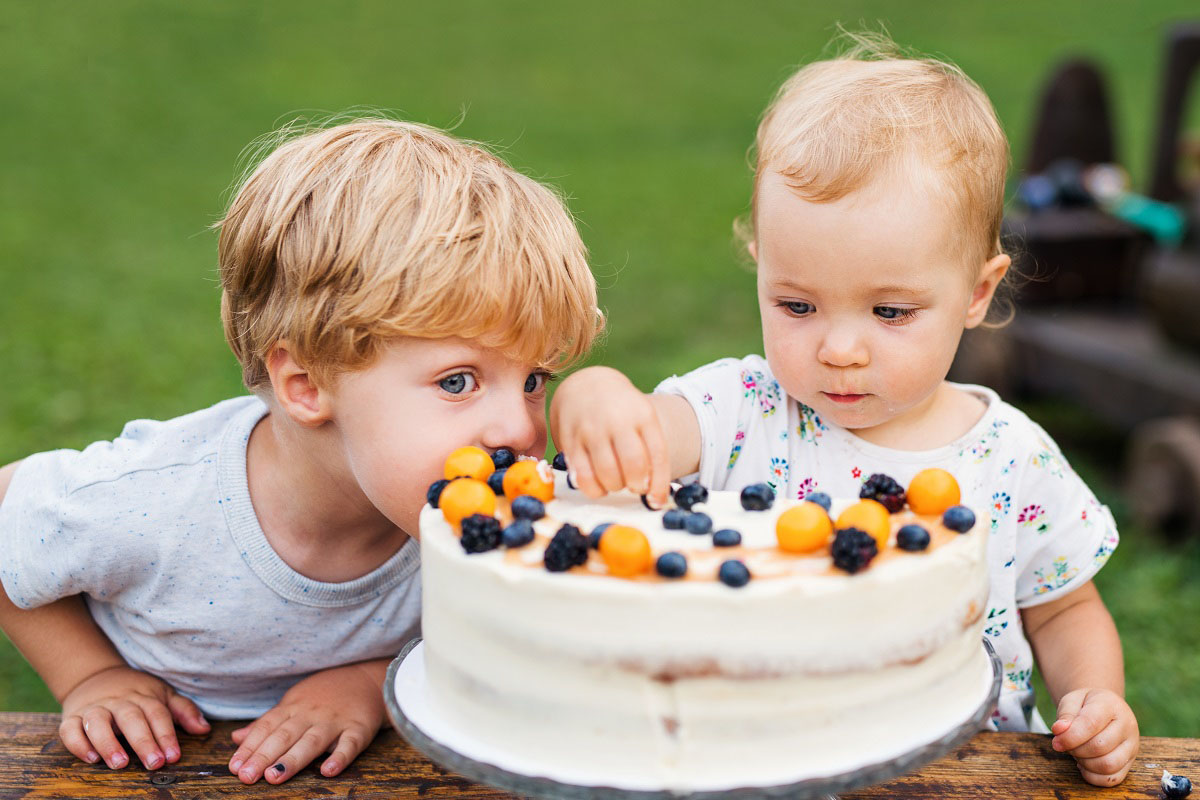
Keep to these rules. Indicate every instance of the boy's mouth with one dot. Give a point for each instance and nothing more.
(844, 398)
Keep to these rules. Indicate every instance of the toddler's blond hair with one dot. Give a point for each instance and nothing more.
(837, 124)
(348, 236)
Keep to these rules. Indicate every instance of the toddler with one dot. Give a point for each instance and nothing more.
(391, 293)
(875, 221)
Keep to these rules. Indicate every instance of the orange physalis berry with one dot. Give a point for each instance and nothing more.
(469, 462)
(932, 491)
(625, 550)
(869, 516)
(531, 478)
(804, 528)
(466, 496)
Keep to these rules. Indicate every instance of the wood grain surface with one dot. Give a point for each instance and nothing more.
(1020, 766)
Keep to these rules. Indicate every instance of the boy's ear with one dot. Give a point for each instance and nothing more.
(752, 247)
(994, 270)
(295, 391)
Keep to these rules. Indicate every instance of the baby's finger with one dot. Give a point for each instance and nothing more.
(605, 466)
(1090, 720)
(352, 742)
(580, 473)
(267, 754)
(660, 464)
(162, 726)
(312, 743)
(1102, 743)
(1112, 766)
(98, 727)
(634, 463)
(188, 714)
(248, 739)
(131, 720)
(76, 741)
(1068, 707)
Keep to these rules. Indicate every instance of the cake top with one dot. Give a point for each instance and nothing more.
(531, 511)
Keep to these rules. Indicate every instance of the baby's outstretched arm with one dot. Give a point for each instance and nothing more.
(1079, 655)
(615, 437)
(100, 694)
(340, 706)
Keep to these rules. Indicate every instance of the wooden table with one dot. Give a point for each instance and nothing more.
(34, 764)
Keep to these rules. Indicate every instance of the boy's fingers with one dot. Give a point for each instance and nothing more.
(352, 742)
(312, 743)
(1090, 720)
(76, 741)
(187, 714)
(660, 464)
(1103, 743)
(266, 753)
(1115, 763)
(1068, 707)
(605, 466)
(97, 726)
(131, 720)
(581, 473)
(633, 461)
(162, 727)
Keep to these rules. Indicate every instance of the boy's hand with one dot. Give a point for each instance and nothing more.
(343, 705)
(135, 704)
(611, 435)
(1098, 728)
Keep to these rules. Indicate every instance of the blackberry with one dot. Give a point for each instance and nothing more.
(671, 565)
(884, 489)
(959, 518)
(504, 458)
(912, 537)
(853, 549)
(674, 519)
(733, 573)
(758, 497)
(821, 499)
(689, 495)
(435, 492)
(1175, 786)
(597, 532)
(480, 533)
(568, 548)
(519, 534)
(559, 463)
(527, 507)
(698, 523)
(727, 537)
(496, 481)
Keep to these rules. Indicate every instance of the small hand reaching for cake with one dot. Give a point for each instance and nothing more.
(1098, 728)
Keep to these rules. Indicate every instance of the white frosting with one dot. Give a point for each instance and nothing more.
(691, 683)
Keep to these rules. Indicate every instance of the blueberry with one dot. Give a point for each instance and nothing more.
(568, 548)
(480, 533)
(527, 507)
(504, 458)
(733, 573)
(727, 537)
(435, 492)
(689, 495)
(912, 537)
(496, 481)
(559, 462)
(758, 497)
(959, 518)
(698, 522)
(1175, 786)
(821, 499)
(853, 549)
(519, 534)
(884, 489)
(674, 519)
(671, 565)
(597, 532)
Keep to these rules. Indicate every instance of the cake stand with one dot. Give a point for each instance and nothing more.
(409, 705)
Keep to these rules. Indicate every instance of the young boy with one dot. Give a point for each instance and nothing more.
(392, 293)
(878, 195)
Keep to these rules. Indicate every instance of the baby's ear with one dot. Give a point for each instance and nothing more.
(993, 271)
(294, 388)
(752, 248)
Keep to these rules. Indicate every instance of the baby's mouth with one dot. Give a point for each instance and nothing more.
(844, 398)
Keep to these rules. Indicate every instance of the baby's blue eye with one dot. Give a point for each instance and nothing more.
(535, 382)
(457, 383)
(798, 308)
(891, 313)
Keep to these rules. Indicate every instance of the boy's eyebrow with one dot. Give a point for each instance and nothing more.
(889, 288)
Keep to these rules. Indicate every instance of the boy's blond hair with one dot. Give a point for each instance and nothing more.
(836, 124)
(345, 237)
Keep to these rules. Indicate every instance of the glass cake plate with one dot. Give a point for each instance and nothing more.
(413, 712)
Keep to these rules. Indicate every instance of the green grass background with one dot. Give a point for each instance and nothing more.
(123, 123)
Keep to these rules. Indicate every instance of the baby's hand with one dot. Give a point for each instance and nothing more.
(1098, 728)
(342, 706)
(611, 435)
(135, 704)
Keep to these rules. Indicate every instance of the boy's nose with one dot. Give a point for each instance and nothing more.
(511, 424)
(843, 347)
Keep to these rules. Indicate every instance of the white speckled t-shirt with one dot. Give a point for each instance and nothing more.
(1048, 533)
(157, 531)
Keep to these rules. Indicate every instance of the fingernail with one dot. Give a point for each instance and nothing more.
(172, 754)
(246, 774)
(118, 759)
(154, 761)
(236, 765)
(280, 768)
(92, 756)
(329, 768)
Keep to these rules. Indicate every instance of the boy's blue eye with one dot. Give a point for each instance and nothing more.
(798, 308)
(535, 381)
(457, 383)
(893, 314)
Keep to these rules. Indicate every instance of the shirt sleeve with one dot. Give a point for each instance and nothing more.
(725, 395)
(1064, 534)
(53, 537)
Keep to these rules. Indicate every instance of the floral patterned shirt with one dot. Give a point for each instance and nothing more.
(1049, 534)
